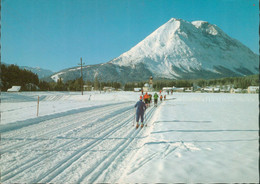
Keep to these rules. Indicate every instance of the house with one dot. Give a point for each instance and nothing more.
(88, 88)
(216, 90)
(137, 89)
(208, 89)
(178, 89)
(14, 89)
(253, 89)
(108, 89)
(188, 90)
(226, 88)
(167, 89)
(238, 90)
(197, 88)
(148, 86)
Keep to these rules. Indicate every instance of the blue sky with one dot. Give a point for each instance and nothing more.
(54, 34)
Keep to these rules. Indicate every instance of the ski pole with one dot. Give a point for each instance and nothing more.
(134, 117)
(145, 118)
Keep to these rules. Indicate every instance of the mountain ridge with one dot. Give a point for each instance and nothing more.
(176, 50)
(41, 72)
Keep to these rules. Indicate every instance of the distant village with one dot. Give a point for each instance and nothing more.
(148, 87)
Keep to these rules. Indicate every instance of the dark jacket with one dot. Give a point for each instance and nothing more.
(140, 107)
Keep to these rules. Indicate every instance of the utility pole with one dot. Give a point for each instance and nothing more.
(81, 75)
(100, 84)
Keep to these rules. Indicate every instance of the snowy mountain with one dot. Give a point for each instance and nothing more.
(42, 73)
(176, 50)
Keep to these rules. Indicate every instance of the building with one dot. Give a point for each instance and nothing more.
(14, 89)
(238, 90)
(253, 89)
(178, 89)
(148, 86)
(88, 88)
(108, 89)
(151, 82)
(189, 90)
(208, 89)
(216, 90)
(167, 89)
(137, 89)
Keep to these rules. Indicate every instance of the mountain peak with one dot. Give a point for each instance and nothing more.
(173, 20)
(207, 27)
(188, 46)
(181, 50)
(176, 19)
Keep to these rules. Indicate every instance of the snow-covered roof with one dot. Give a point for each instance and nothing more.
(14, 89)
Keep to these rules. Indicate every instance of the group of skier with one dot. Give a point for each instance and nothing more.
(143, 104)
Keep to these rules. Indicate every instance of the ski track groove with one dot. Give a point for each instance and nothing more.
(67, 144)
(67, 162)
(123, 144)
(143, 162)
(54, 172)
(71, 117)
(53, 132)
(169, 150)
(108, 159)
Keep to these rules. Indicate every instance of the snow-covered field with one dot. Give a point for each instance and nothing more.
(189, 138)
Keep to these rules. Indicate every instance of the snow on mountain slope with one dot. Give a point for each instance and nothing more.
(189, 47)
(42, 73)
(39, 71)
(176, 50)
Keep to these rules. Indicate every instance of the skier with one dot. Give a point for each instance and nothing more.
(155, 97)
(149, 99)
(141, 107)
(164, 97)
(146, 99)
(161, 97)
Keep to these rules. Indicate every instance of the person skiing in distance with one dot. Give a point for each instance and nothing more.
(146, 99)
(149, 99)
(161, 97)
(164, 97)
(141, 107)
(155, 97)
